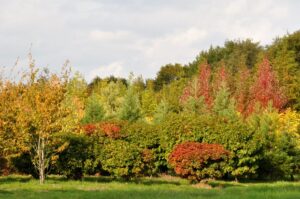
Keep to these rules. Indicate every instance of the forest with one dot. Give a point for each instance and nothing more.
(232, 113)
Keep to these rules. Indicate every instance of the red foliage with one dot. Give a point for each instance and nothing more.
(189, 159)
(220, 79)
(201, 87)
(89, 129)
(242, 90)
(110, 129)
(266, 88)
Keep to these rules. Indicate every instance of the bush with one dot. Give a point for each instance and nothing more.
(197, 161)
(72, 155)
(121, 159)
(23, 164)
(146, 137)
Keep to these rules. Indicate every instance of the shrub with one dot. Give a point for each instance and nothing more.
(146, 138)
(121, 159)
(72, 155)
(111, 130)
(197, 161)
(89, 129)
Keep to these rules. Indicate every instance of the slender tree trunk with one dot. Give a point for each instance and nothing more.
(41, 156)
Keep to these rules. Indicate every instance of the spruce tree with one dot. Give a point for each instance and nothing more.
(130, 109)
(94, 111)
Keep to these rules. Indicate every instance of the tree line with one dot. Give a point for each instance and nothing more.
(231, 113)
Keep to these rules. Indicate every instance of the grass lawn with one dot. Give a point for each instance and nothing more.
(160, 188)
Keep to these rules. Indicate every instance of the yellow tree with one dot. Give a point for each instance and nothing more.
(42, 115)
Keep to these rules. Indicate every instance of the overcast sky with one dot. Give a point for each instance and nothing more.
(102, 37)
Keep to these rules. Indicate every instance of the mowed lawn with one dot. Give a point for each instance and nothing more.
(160, 188)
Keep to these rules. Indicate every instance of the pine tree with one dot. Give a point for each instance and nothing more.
(94, 112)
(224, 105)
(130, 109)
(161, 111)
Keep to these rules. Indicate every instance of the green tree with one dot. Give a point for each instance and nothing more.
(130, 109)
(94, 111)
(167, 74)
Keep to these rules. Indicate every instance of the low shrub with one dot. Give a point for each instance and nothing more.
(197, 161)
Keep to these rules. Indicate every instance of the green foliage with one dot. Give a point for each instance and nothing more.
(162, 110)
(94, 111)
(121, 159)
(280, 155)
(223, 105)
(71, 156)
(195, 106)
(111, 97)
(284, 55)
(167, 74)
(130, 109)
(146, 137)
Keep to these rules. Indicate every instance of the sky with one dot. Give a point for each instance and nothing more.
(116, 37)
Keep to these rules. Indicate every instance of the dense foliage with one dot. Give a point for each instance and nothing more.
(197, 161)
(233, 112)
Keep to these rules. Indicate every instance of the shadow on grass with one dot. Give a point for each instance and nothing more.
(13, 179)
(143, 181)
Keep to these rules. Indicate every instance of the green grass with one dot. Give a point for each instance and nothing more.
(167, 187)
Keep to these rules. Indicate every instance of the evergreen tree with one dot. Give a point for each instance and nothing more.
(223, 105)
(161, 111)
(130, 108)
(94, 112)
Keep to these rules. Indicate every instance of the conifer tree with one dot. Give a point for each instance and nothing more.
(130, 108)
(94, 111)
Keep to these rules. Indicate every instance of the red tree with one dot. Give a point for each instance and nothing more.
(221, 79)
(241, 93)
(266, 89)
(200, 87)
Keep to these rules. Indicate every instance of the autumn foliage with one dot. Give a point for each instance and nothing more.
(109, 129)
(200, 87)
(266, 89)
(196, 161)
(89, 129)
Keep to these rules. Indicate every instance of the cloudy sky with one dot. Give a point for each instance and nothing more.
(104, 37)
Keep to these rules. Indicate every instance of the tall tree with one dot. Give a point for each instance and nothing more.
(285, 58)
(266, 89)
(167, 74)
(200, 86)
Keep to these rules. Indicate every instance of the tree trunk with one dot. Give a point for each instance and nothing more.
(41, 156)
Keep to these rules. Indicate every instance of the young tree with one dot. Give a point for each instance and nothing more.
(111, 97)
(161, 111)
(94, 111)
(41, 115)
(266, 89)
(130, 109)
(200, 86)
(242, 87)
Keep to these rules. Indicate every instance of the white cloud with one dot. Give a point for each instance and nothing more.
(143, 34)
(107, 36)
(115, 69)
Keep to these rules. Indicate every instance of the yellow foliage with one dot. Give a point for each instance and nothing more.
(289, 121)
